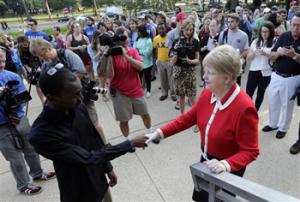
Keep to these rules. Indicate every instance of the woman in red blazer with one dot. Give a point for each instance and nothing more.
(226, 117)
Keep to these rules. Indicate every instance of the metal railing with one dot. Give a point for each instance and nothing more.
(244, 189)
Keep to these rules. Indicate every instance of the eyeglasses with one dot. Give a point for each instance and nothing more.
(54, 69)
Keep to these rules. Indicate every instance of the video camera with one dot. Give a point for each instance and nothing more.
(113, 42)
(90, 90)
(181, 48)
(8, 98)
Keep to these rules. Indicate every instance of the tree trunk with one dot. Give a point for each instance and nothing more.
(48, 10)
(95, 7)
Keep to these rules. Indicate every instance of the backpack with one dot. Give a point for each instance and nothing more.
(61, 57)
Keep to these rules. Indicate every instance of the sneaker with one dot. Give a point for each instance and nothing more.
(45, 176)
(177, 107)
(31, 189)
(295, 148)
(148, 94)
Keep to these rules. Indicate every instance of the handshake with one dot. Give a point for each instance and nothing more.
(143, 140)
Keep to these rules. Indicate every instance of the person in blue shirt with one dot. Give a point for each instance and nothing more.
(33, 33)
(14, 129)
(292, 10)
(90, 28)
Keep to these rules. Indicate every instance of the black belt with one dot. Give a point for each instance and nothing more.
(286, 75)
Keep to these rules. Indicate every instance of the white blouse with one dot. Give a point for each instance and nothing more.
(260, 62)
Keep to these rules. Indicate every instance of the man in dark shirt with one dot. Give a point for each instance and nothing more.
(64, 133)
(285, 79)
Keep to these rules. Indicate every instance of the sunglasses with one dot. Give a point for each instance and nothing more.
(263, 7)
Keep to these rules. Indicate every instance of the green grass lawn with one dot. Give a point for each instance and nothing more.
(14, 21)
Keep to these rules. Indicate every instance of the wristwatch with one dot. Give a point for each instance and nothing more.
(295, 57)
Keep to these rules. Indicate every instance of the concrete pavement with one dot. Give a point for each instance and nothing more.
(161, 172)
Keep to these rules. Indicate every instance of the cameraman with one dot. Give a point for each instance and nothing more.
(126, 89)
(51, 56)
(14, 123)
(32, 64)
(185, 55)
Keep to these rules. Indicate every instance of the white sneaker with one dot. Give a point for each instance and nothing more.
(148, 94)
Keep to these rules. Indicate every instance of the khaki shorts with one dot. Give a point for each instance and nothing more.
(92, 112)
(125, 106)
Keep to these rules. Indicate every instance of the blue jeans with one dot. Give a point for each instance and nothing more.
(15, 156)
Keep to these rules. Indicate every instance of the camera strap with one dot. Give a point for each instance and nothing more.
(16, 136)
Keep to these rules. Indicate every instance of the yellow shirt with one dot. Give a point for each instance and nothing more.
(162, 50)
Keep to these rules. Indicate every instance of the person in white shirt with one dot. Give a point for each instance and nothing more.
(260, 71)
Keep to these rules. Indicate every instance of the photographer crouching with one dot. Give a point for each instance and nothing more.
(51, 56)
(14, 128)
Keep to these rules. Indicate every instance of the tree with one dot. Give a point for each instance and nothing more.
(3, 8)
(48, 9)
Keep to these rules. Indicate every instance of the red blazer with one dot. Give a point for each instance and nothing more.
(233, 132)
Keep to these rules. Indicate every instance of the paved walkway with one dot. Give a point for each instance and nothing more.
(161, 172)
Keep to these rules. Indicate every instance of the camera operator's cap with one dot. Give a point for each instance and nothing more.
(267, 10)
(181, 17)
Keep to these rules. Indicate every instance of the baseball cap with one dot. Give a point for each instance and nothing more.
(181, 17)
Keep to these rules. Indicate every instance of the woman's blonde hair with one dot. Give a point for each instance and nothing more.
(38, 46)
(187, 23)
(225, 60)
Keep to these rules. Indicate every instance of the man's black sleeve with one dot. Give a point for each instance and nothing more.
(54, 147)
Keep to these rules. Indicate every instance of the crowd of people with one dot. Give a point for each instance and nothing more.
(125, 55)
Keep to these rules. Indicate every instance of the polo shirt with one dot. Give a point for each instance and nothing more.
(284, 64)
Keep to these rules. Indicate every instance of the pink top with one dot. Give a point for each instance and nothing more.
(126, 78)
